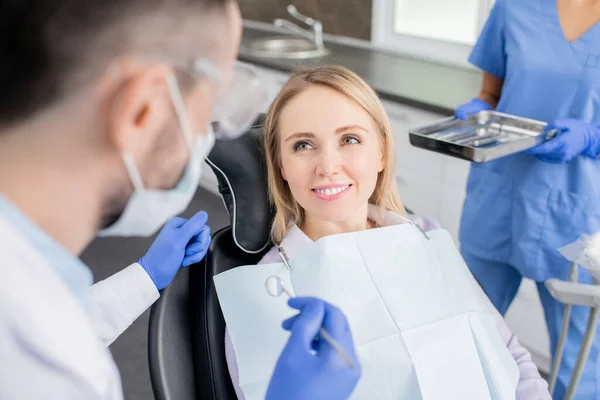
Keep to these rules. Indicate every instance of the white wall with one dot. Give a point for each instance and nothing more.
(433, 185)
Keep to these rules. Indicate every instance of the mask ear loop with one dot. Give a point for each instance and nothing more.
(128, 160)
(179, 107)
(415, 225)
(134, 173)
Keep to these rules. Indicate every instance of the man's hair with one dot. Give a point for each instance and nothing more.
(44, 43)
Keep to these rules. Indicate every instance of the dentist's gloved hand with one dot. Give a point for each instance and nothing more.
(472, 107)
(180, 243)
(302, 374)
(575, 138)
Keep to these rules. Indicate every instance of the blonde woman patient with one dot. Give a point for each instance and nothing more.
(331, 167)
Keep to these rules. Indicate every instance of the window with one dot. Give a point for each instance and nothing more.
(440, 30)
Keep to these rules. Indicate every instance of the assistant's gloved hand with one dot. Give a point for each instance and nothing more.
(302, 374)
(472, 107)
(180, 243)
(575, 138)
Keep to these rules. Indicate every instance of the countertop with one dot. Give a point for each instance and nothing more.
(426, 85)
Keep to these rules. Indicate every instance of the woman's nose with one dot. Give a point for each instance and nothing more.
(329, 162)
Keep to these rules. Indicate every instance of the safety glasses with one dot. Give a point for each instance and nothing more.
(239, 100)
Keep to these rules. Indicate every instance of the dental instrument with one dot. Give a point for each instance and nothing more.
(276, 288)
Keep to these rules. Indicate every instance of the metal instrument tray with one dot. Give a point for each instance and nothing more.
(484, 136)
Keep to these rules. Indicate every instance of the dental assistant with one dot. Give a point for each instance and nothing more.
(540, 60)
(105, 114)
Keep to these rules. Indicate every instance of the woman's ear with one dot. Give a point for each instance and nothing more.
(279, 164)
(382, 160)
(283, 175)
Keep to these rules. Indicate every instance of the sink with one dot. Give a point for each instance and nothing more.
(284, 47)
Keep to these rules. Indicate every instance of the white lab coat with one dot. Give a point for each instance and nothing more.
(51, 347)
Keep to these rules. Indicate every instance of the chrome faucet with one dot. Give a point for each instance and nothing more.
(316, 36)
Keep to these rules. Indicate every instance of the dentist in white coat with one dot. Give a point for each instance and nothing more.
(104, 122)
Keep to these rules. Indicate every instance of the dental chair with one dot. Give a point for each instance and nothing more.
(186, 347)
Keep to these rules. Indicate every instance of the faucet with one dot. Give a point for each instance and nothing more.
(316, 36)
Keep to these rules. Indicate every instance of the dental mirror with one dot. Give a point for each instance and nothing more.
(275, 287)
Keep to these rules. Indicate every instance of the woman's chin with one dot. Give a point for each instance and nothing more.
(334, 215)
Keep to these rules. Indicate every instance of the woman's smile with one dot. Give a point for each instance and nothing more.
(331, 192)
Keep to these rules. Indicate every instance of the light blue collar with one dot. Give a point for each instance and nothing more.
(77, 276)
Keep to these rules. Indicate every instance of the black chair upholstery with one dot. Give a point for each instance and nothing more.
(187, 330)
(240, 169)
(186, 348)
(242, 175)
(208, 326)
(170, 354)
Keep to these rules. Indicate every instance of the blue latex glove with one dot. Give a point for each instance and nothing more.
(309, 369)
(472, 107)
(180, 243)
(575, 138)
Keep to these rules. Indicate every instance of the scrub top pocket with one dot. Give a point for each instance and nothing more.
(568, 217)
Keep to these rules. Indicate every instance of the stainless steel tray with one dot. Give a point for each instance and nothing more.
(485, 136)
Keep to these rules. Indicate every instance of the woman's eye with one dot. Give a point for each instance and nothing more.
(302, 145)
(350, 140)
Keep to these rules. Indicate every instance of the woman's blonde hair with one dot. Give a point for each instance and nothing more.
(347, 83)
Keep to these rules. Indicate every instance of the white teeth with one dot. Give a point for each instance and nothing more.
(332, 191)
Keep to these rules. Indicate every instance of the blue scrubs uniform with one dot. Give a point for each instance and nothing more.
(519, 210)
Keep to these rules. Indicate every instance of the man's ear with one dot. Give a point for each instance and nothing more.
(140, 109)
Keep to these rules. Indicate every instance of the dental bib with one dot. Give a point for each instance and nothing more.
(420, 326)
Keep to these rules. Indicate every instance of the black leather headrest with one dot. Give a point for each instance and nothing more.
(241, 171)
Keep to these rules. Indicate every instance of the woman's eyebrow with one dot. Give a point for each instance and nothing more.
(349, 128)
(298, 135)
(310, 135)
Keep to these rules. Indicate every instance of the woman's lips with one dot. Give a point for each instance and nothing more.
(330, 193)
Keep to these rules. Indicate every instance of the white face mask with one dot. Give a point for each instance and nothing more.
(148, 210)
